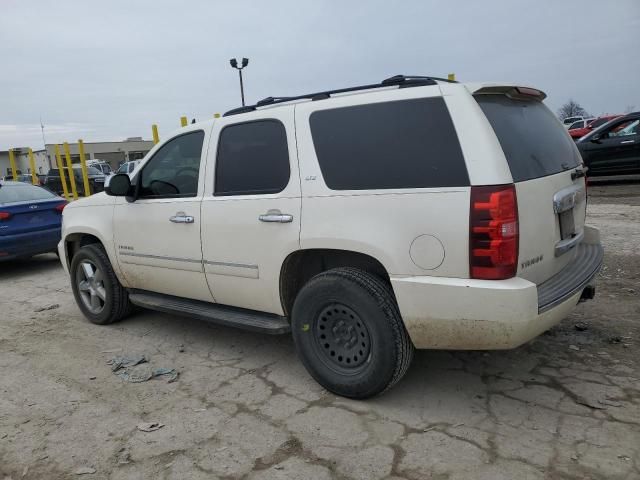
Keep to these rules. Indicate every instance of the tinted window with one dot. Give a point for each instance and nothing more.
(174, 169)
(403, 144)
(54, 172)
(23, 193)
(533, 141)
(253, 158)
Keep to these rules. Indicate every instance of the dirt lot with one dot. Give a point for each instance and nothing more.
(565, 406)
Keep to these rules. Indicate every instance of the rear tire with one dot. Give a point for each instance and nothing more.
(349, 333)
(96, 288)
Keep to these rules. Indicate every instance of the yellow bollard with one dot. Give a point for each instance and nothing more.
(216, 115)
(72, 177)
(63, 177)
(32, 165)
(12, 162)
(83, 166)
(452, 77)
(154, 132)
(183, 121)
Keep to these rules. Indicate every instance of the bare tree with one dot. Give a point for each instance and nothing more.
(571, 109)
(629, 108)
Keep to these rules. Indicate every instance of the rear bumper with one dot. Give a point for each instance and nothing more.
(467, 314)
(27, 244)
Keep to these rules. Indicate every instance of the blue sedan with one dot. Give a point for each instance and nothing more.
(30, 220)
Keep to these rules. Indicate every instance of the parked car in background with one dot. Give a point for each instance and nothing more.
(96, 180)
(567, 122)
(613, 148)
(128, 167)
(577, 132)
(101, 165)
(22, 177)
(30, 220)
(364, 238)
(580, 123)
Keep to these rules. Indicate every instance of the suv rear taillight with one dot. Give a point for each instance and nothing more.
(5, 216)
(493, 232)
(60, 208)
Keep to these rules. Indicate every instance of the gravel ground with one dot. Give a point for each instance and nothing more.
(565, 406)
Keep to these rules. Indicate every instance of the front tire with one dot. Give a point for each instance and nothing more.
(349, 334)
(96, 288)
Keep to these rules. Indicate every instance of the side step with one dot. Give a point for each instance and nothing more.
(212, 312)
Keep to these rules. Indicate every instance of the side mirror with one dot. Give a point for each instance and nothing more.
(596, 138)
(119, 185)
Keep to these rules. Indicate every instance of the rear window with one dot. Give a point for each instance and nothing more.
(533, 141)
(23, 193)
(401, 144)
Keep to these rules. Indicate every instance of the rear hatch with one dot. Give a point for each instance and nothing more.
(547, 172)
(25, 209)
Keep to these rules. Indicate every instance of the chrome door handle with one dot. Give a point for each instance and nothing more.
(275, 216)
(181, 217)
(627, 141)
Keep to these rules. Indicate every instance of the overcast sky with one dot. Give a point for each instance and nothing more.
(106, 70)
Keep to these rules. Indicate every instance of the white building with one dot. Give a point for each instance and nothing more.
(114, 153)
(21, 156)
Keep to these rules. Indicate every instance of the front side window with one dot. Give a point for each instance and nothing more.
(624, 129)
(253, 159)
(174, 169)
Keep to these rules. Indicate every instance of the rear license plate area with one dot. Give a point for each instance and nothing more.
(567, 224)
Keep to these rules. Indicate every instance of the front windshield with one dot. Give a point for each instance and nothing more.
(123, 168)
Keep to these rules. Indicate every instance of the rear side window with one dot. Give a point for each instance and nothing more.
(23, 193)
(401, 144)
(534, 142)
(253, 159)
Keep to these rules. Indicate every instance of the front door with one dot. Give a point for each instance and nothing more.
(617, 150)
(157, 236)
(251, 208)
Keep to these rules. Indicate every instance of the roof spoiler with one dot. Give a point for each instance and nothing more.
(511, 91)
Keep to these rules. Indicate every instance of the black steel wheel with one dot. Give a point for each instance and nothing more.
(349, 334)
(342, 339)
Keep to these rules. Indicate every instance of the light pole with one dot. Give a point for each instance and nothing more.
(234, 64)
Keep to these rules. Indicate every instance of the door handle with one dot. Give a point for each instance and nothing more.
(181, 217)
(627, 141)
(275, 216)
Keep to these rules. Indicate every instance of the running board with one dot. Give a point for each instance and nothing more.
(212, 312)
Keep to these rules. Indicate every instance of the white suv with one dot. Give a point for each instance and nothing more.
(369, 221)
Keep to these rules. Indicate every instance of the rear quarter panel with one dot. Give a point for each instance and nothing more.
(382, 223)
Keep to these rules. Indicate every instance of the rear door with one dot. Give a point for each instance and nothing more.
(251, 208)
(546, 167)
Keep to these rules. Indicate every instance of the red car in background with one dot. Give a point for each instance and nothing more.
(576, 133)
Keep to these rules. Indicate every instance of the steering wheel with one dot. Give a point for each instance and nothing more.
(194, 170)
(162, 183)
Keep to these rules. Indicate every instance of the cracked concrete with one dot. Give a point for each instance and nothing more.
(244, 407)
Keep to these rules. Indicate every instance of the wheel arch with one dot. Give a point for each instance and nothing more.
(301, 265)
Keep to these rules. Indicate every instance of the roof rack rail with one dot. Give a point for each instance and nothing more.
(402, 81)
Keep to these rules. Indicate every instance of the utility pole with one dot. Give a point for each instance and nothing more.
(234, 63)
